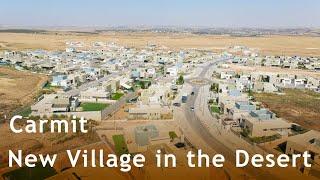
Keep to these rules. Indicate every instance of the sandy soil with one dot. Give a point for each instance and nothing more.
(122, 113)
(298, 106)
(249, 69)
(40, 143)
(271, 45)
(17, 89)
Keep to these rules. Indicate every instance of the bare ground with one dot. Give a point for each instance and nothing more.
(17, 89)
(298, 106)
(271, 45)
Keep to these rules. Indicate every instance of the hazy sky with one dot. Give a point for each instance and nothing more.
(211, 13)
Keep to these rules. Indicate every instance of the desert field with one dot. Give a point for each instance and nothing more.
(17, 89)
(298, 106)
(268, 45)
(279, 70)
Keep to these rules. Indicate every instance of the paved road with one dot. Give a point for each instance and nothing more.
(204, 133)
(219, 141)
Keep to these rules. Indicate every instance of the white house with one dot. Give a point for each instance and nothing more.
(300, 82)
(94, 95)
(286, 81)
(151, 72)
(172, 71)
(61, 81)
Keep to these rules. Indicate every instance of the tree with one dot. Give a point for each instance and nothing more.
(250, 92)
(162, 70)
(180, 80)
(142, 85)
(214, 87)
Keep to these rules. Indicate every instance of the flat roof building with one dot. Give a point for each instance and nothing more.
(264, 123)
(309, 141)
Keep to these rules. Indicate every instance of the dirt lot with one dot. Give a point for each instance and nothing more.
(40, 143)
(272, 45)
(240, 68)
(17, 89)
(298, 106)
(122, 113)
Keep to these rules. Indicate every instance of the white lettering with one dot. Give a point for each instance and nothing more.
(238, 158)
(13, 129)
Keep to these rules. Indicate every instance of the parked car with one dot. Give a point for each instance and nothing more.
(177, 104)
(184, 98)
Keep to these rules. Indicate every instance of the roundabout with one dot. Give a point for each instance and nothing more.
(199, 81)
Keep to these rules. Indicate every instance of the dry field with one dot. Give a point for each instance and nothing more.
(270, 45)
(279, 70)
(38, 143)
(298, 106)
(17, 89)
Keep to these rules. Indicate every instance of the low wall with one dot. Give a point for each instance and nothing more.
(115, 106)
(107, 101)
(94, 115)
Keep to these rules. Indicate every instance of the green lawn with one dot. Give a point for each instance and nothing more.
(37, 173)
(120, 144)
(116, 96)
(93, 106)
(215, 109)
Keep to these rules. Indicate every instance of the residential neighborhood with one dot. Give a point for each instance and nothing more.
(153, 97)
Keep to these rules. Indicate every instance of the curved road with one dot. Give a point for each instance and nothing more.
(211, 140)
